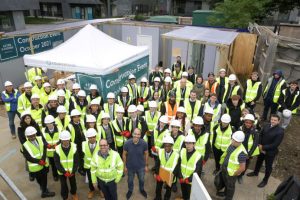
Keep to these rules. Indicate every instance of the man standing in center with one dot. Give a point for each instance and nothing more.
(135, 158)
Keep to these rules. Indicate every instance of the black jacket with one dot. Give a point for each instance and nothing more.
(270, 138)
(286, 101)
(252, 132)
(235, 113)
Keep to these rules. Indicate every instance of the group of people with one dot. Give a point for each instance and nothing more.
(175, 117)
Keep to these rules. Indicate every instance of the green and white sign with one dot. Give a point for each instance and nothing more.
(18, 46)
(113, 82)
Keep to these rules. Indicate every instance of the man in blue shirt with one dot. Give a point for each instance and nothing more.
(135, 158)
(10, 98)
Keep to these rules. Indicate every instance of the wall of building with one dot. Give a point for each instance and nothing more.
(19, 20)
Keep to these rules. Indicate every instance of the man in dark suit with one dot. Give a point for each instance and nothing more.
(270, 138)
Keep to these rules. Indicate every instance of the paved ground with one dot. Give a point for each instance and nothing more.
(12, 162)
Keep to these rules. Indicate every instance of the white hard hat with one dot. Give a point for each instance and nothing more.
(164, 119)
(37, 78)
(198, 120)
(190, 138)
(30, 130)
(131, 76)
(232, 77)
(35, 96)
(156, 79)
(65, 135)
(249, 117)
(132, 108)
(110, 95)
(7, 83)
(46, 85)
(209, 110)
(61, 109)
(95, 102)
(185, 74)
(44, 69)
(124, 89)
(226, 118)
(238, 136)
(175, 123)
(286, 113)
(91, 132)
(168, 79)
(27, 84)
(222, 70)
(120, 109)
(167, 71)
(60, 82)
(90, 118)
(26, 112)
(152, 104)
(75, 86)
(75, 112)
(181, 109)
(52, 97)
(144, 80)
(168, 140)
(61, 93)
(49, 119)
(105, 115)
(93, 87)
(140, 108)
(81, 93)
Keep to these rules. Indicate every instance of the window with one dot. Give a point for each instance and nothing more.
(6, 22)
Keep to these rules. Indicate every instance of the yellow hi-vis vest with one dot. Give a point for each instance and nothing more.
(109, 169)
(250, 144)
(88, 155)
(59, 124)
(36, 114)
(158, 139)
(51, 140)
(72, 130)
(251, 91)
(178, 143)
(131, 92)
(188, 167)
(169, 164)
(294, 100)
(120, 139)
(192, 113)
(106, 109)
(23, 103)
(233, 162)
(7, 105)
(201, 142)
(277, 89)
(36, 153)
(223, 139)
(217, 110)
(179, 97)
(66, 161)
(32, 73)
(152, 122)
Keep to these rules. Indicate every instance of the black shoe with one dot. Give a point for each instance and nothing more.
(48, 194)
(128, 195)
(240, 179)
(55, 178)
(31, 178)
(252, 174)
(174, 188)
(221, 194)
(144, 193)
(262, 184)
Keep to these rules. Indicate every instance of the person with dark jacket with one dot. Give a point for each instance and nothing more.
(271, 137)
(253, 91)
(232, 88)
(191, 75)
(271, 93)
(154, 74)
(234, 107)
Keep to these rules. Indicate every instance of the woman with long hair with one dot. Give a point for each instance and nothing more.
(184, 121)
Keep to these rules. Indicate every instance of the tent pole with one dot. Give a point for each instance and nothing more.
(187, 56)
(164, 51)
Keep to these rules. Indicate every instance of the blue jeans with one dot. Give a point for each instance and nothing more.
(11, 118)
(141, 176)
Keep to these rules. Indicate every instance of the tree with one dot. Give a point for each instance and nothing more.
(238, 13)
(283, 6)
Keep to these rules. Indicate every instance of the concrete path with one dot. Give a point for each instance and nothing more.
(12, 162)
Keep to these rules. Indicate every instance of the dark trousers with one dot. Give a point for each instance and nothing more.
(11, 120)
(64, 192)
(186, 190)
(267, 106)
(268, 163)
(120, 150)
(217, 154)
(251, 107)
(158, 190)
(229, 182)
(53, 167)
(41, 178)
(141, 177)
(247, 165)
(91, 186)
(109, 189)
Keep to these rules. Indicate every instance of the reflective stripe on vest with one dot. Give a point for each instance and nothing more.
(223, 139)
(192, 113)
(171, 163)
(179, 96)
(277, 89)
(235, 90)
(59, 124)
(169, 111)
(251, 91)
(177, 76)
(293, 102)
(178, 143)
(50, 140)
(120, 139)
(87, 154)
(7, 104)
(37, 115)
(158, 139)
(151, 122)
(250, 144)
(66, 161)
(216, 110)
(23, 103)
(188, 167)
(213, 88)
